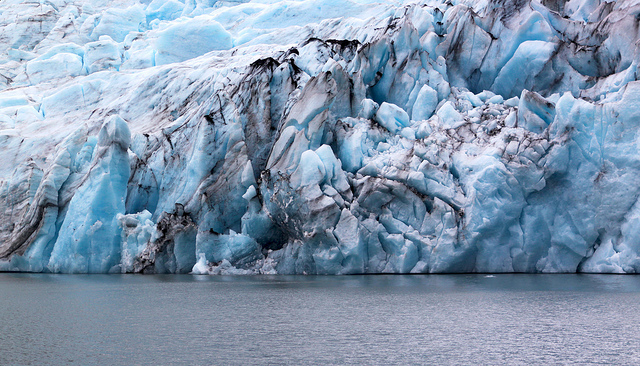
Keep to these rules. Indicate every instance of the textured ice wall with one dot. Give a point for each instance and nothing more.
(319, 136)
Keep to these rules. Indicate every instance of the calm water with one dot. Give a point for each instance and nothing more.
(372, 320)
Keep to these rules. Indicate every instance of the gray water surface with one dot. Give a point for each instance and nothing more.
(300, 320)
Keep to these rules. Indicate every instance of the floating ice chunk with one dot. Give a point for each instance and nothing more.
(426, 103)
(189, 39)
(201, 267)
(392, 117)
(449, 116)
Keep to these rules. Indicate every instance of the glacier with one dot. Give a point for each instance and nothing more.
(319, 136)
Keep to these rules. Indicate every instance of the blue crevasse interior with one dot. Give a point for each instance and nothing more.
(319, 137)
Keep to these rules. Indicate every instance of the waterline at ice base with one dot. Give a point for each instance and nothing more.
(319, 136)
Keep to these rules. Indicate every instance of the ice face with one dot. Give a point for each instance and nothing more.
(85, 242)
(319, 137)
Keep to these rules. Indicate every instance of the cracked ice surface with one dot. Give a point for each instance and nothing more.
(319, 136)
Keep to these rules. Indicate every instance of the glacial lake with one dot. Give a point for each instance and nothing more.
(314, 320)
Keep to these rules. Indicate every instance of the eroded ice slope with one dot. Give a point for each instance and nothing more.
(319, 136)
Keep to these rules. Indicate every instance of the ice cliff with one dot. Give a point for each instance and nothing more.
(319, 136)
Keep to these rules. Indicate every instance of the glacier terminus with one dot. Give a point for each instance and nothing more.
(320, 136)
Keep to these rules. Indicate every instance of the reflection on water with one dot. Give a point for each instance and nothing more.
(374, 320)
